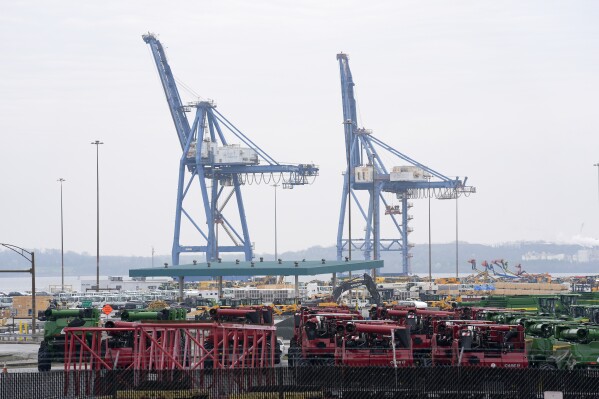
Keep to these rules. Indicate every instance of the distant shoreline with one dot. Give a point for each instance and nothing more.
(23, 283)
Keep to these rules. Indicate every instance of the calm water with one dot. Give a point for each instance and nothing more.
(43, 283)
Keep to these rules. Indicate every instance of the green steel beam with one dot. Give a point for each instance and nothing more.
(283, 268)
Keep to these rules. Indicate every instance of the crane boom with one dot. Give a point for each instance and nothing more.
(170, 88)
(348, 101)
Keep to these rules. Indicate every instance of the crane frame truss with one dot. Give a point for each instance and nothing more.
(213, 194)
(361, 150)
(214, 176)
(160, 349)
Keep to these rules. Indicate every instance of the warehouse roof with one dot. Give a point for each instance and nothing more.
(238, 268)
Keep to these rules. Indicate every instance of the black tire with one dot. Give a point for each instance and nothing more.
(547, 366)
(328, 362)
(301, 362)
(278, 352)
(293, 355)
(44, 358)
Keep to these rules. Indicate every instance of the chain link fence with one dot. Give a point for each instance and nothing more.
(303, 382)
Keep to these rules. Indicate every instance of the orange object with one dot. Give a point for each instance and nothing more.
(107, 309)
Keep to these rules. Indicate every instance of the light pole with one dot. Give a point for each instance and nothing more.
(30, 256)
(454, 195)
(97, 144)
(597, 165)
(430, 264)
(456, 235)
(276, 252)
(61, 237)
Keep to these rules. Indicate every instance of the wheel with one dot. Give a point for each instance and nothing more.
(44, 358)
(547, 366)
(293, 355)
(328, 362)
(278, 352)
(301, 362)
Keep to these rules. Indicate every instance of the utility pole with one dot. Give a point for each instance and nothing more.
(97, 144)
(61, 238)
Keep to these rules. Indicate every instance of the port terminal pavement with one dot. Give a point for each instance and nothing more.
(19, 356)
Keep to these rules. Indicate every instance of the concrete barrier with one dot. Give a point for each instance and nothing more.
(21, 338)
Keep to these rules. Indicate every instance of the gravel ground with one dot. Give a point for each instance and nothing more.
(18, 351)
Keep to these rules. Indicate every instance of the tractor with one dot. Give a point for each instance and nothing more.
(52, 347)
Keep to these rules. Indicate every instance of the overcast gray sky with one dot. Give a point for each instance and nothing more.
(505, 93)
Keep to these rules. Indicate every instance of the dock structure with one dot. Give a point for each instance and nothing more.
(222, 269)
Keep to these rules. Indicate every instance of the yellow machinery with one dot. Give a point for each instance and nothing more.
(447, 280)
(447, 303)
(285, 306)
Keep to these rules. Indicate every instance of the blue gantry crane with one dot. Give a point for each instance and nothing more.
(221, 168)
(367, 172)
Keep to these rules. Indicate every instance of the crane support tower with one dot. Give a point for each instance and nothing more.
(221, 168)
(367, 172)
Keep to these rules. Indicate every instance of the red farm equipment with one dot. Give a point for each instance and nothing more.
(361, 344)
(420, 323)
(315, 329)
(478, 343)
(250, 314)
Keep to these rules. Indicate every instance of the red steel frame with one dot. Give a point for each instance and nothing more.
(172, 346)
(167, 346)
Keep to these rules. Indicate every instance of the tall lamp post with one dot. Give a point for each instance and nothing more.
(30, 256)
(430, 257)
(456, 236)
(597, 165)
(276, 251)
(454, 195)
(97, 144)
(61, 238)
